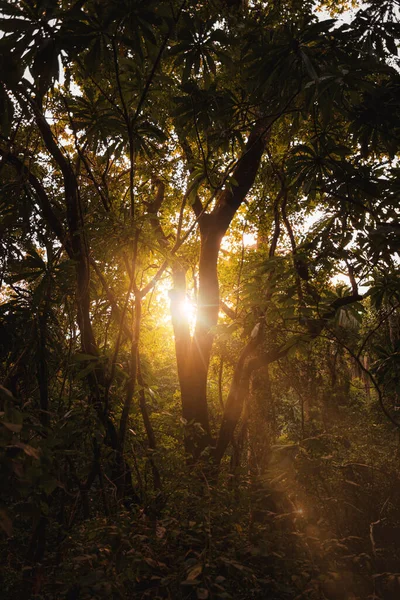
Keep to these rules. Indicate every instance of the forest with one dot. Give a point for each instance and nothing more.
(200, 299)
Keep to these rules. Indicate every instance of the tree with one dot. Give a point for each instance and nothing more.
(136, 139)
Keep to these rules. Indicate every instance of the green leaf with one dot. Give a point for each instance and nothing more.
(194, 572)
(309, 67)
(14, 427)
(6, 112)
(6, 395)
(29, 450)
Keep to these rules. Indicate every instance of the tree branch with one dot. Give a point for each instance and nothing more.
(44, 202)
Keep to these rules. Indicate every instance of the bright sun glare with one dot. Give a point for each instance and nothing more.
(189, 311)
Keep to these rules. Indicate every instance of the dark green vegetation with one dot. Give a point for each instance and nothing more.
(162, 157)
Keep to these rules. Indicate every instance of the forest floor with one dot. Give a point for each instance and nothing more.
(317, 522)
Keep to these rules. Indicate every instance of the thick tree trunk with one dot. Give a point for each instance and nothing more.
(193, 354)
(194, 388)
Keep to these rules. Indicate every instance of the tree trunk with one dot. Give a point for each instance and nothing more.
(194, 388)
(193, 354)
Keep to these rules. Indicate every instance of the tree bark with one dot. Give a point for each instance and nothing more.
(193, 356)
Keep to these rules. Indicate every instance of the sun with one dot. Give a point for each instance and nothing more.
(189, 311)
(186, 310)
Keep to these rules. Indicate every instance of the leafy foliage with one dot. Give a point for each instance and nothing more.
(200, 300)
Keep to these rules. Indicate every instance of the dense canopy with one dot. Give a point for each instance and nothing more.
(199, 312)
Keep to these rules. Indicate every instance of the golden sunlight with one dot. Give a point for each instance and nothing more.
(189, 311)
